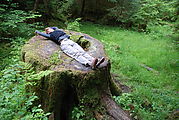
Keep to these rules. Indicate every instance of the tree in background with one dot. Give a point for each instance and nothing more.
(13, 20)
(154, 12)
(138, 14)
(141, 13)
(54, 11)
(122, 11)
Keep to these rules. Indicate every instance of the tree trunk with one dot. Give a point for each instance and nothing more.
(82, 7)
(46, 6)
(36, 4)
(70, 83)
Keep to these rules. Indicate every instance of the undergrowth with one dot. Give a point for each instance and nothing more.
(16, 103)
(154, 92)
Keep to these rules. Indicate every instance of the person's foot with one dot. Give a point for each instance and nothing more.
(100, 61)
(93, 65)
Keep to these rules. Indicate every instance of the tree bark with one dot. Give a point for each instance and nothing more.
(46, 5)
(36, 4)
(82, 7)
(114, 111)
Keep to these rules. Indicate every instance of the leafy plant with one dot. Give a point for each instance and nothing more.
(77, 113)
(74, 25)
(125, 100)
(13, 20)
(15, 101)
(142, 13)
(61, 9)
(123, 10)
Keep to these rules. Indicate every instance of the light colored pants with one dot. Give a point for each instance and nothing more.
(75, 51)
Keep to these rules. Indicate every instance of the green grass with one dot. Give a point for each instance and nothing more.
(127, 50)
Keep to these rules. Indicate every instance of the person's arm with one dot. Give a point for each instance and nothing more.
(42, 34)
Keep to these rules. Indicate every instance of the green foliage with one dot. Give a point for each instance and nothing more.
(74, 25)
(142, 13)
(15, 101)
(5, 51)
(154, 96)
(77, 113)
(146, 105)
(123, 10)
(38, 76)
(114, 1)
(125, 100)
(12, 20)
(154, 12)
(61, 9)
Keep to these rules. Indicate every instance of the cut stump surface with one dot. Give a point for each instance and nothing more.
(71, 83)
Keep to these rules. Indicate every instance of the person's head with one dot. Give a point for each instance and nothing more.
(48, 30)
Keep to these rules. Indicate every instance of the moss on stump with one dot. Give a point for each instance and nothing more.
(71, 83)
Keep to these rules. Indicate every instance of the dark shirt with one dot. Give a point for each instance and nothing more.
(56, 34)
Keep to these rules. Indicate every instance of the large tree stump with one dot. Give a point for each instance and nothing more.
(70, 83)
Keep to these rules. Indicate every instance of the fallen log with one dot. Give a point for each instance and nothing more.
(149, 68)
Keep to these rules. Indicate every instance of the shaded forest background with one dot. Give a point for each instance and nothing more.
(134, 14)
(20, 18)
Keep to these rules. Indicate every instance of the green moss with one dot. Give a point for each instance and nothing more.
(88, 91)
(115, 88)
(84, 43)
(53, 89)
(75, 38)
(55, 58)
(91, 97)
(34, 59)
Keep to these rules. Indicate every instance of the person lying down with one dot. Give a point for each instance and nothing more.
(70, 47)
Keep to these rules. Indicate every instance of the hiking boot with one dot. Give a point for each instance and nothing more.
(100, 61)
(93, 65)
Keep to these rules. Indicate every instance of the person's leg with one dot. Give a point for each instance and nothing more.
(83, 53)
(78, 47)
(89, 57)
(68, 48)
(75, 51)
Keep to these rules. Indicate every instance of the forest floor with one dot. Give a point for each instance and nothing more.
(146, 62)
